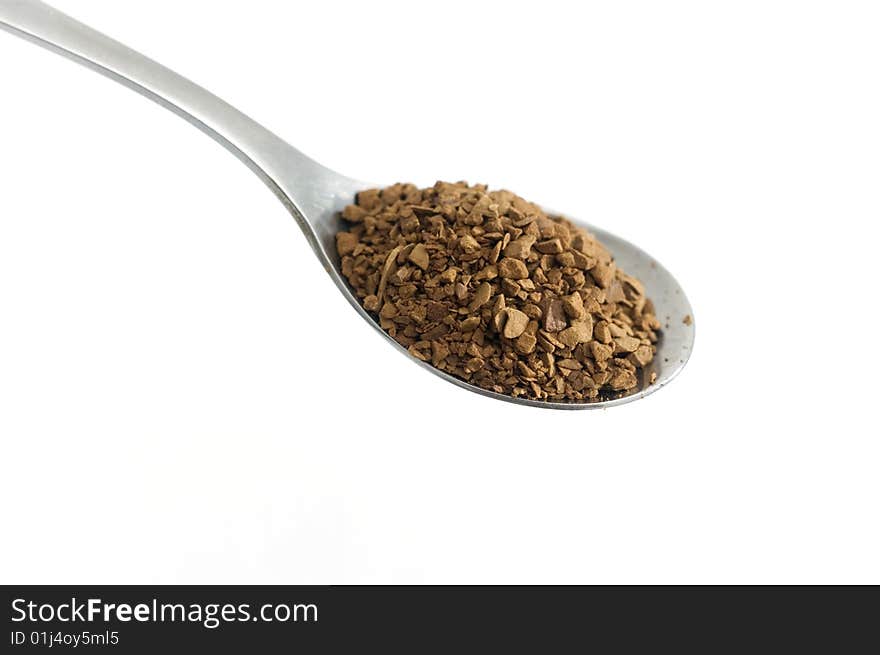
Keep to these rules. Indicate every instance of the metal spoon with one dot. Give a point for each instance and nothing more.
(313, 194)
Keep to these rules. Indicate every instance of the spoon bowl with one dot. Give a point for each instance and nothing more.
(673, 347)
(315, 195)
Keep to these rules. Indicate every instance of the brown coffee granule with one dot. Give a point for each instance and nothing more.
(487, 287)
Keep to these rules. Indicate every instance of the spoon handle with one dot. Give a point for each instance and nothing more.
(288, 172)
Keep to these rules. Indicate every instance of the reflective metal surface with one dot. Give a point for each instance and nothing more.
(315, 195)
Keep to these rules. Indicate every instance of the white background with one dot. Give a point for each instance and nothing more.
(185, 397)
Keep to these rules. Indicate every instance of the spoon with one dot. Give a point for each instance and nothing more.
(315, 195)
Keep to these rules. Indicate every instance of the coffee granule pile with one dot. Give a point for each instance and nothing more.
(487, 287)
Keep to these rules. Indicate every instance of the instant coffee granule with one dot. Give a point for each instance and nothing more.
(487, 287)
